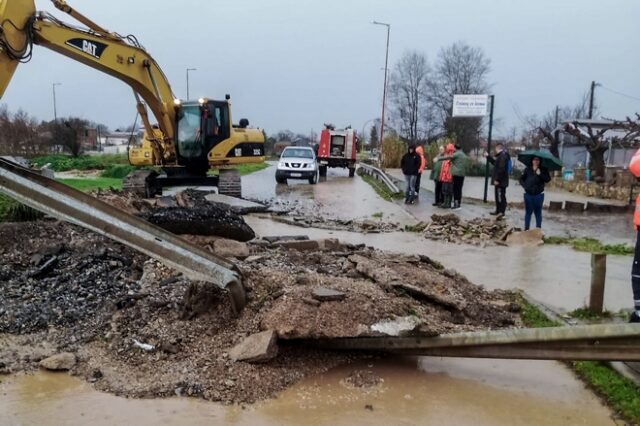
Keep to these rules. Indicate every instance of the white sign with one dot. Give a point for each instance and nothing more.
(470, 105)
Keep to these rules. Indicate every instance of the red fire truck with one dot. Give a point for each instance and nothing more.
(337, 148)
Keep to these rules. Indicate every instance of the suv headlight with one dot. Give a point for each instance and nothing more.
(281, 164)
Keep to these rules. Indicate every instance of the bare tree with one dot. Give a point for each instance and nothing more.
(460, 69)
(408, 93)
(68, 134)
(548, 125)
(594, 141)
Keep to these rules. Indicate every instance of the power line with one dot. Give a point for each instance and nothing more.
(619, 93)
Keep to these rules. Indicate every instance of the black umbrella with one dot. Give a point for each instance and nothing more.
(547, 160)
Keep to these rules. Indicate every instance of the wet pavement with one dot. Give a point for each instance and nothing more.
(411, 391)
(338, 196)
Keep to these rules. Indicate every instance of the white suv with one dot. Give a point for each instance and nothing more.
(297, 162)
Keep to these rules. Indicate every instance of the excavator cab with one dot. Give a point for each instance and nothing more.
(200, 127)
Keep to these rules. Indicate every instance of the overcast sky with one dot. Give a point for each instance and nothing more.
(295, 64)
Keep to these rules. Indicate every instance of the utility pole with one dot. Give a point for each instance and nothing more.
(556, 120)
(55, 108)
(384, 91)
(593, 89)
(189, 69)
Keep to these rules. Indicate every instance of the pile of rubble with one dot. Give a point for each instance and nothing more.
(452, 228)
(111, 314)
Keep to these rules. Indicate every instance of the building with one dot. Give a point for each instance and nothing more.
(116, 142)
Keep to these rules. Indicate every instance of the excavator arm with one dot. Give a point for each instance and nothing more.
(121, 57)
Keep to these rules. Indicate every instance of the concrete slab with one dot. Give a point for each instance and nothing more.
(238, 205)
(324, 294)
(260, 347)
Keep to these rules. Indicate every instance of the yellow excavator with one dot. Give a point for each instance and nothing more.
(190, 138)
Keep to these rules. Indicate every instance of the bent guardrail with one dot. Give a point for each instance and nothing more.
(71, 205)
(381, 176)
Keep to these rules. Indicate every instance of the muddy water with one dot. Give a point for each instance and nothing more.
(425, 391)
(337, 196)
(556, 275)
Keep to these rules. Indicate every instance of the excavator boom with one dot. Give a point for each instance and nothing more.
(123, 58)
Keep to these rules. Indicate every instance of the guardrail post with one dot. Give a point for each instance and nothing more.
(598, 275)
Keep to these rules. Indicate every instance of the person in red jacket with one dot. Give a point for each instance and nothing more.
(447, 178)
(634, 167)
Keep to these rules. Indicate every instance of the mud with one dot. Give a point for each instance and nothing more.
(408, 391)
(98, 297)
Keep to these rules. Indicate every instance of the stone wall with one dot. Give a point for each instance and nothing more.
(593, 189)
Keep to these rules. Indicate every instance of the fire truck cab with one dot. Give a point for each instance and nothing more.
(337, 148)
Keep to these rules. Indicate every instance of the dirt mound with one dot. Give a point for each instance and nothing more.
(136, 318)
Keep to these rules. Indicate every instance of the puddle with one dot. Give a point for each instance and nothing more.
(411, 391)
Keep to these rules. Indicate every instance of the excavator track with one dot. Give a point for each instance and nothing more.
(73, 206)
(230, 183)
(141, 183)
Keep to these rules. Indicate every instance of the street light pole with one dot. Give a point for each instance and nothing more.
(189, 69)
(55, 109)
(384, 91)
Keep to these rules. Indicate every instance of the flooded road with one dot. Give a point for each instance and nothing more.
(338, 196)
(411, 391)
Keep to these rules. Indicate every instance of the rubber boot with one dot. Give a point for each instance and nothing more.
(446, 204)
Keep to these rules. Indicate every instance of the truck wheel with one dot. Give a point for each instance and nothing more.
(281, 180)
(323, 171)
(352, 172)
(230, 183)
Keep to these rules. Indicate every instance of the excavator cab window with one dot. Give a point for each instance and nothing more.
(189, 132)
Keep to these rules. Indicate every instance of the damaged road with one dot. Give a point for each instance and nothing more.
(123, 315)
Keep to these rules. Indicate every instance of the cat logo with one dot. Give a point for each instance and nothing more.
(92, 48)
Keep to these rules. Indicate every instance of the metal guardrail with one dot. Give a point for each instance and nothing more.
(381, 176)
(603, 342)
(71, 205)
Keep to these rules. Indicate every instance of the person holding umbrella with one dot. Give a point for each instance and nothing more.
(533, 179)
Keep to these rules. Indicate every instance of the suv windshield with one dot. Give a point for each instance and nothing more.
(297, 153)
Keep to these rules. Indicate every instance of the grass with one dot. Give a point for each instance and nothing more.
(245, 169)
(118, 171)
(5, 205)
(587, 314)
(88, 185)
(380, 188)
(620, 393)
(377, 215)
(63, 163)
(592, 245)
(532, 316)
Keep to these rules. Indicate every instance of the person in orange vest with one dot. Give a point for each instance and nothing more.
(423, 164)
(634, 168)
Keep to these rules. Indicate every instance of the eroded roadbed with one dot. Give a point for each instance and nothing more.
(97, 298)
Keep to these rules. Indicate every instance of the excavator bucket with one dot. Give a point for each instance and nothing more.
(15, 43)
